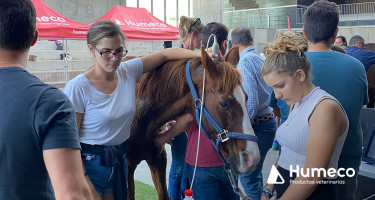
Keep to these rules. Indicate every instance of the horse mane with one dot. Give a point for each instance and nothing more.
(168, 83)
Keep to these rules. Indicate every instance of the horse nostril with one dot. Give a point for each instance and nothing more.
(244, 154)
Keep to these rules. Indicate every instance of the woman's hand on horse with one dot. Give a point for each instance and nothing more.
(161, 137)
(166, 127)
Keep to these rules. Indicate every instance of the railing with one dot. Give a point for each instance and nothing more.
(255, 18)
(269, 18)
(348, 12)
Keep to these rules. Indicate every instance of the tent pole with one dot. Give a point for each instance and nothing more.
(65, 53)
(165, 11)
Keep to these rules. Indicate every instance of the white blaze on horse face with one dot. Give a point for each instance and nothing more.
(252, 150)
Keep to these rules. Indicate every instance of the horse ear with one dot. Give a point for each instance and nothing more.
(233, 55)
(209, 64)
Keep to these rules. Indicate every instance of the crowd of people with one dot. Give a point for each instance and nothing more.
(73, 144)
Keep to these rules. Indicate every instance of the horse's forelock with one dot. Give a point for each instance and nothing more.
(230, 79)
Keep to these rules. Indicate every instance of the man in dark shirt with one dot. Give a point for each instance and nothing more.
(343, 77)
(38, 132)
(366, 57)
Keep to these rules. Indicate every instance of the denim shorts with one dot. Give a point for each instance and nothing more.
(100, 176)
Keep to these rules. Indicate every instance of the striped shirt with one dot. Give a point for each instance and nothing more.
(253, 83)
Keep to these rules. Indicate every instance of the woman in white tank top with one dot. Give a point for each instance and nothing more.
(314, 133)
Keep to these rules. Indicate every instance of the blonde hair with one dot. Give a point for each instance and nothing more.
(187, 26)
(287, 55)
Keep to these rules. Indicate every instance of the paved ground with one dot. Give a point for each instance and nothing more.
(143, 173)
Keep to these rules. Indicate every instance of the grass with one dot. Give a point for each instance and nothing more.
(144, 191)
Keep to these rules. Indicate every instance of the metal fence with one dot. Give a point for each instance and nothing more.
(255, 18)
(348, 12)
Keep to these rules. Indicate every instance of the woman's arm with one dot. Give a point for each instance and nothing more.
(155, 59)
(327, 123)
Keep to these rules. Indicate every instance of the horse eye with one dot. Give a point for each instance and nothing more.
(224, 105)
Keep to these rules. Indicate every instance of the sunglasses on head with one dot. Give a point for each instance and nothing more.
(196, 21)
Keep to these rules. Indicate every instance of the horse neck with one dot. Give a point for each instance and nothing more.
(152, 109)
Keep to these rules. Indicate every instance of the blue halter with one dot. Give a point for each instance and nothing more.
(223, 135)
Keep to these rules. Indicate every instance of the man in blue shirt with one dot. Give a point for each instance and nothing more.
(366, 57)
(343, 77)
(260, 114)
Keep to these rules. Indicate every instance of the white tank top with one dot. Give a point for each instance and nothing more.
(293, 133)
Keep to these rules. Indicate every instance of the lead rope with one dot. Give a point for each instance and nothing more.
(200, 123)
(199, 128)
(235, 187)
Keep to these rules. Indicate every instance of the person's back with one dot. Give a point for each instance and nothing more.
(28, 109)
(349, 87)
(39, 143)
(343, 77)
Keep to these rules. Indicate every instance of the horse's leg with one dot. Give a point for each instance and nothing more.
(132, 165)
(158, 167)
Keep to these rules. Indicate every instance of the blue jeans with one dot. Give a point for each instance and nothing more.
(347, 191)
(211, 183)
(100, 176)
(175, 188)
(252, 182)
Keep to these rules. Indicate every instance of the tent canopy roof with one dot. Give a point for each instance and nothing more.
(140, 24)
(137, 24)
(53, 25)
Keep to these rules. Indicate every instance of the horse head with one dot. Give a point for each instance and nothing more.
(225, 100)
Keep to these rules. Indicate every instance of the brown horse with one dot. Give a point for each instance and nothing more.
(164, 94)
(369, 46)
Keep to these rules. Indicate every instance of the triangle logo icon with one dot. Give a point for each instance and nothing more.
(119, 22)
(274, 174)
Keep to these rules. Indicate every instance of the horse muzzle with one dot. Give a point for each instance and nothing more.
(247, 161)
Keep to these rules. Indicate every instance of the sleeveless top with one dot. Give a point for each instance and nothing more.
(293, 133)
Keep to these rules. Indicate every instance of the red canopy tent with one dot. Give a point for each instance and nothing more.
(139, 24)
(53, 25)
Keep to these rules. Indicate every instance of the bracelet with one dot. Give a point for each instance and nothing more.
(267, 192)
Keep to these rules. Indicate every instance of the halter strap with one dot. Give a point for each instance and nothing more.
(223, 134)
